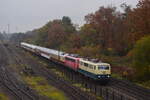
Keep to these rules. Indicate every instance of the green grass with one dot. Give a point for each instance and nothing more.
(43, 88)
(3, 97)
(79, 85)
(86, 90)
(116, 76)
(99, 98)
(145, 84)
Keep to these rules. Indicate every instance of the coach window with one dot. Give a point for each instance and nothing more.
(85, 64)
(90, 66)
(82, 63)
(95, 67)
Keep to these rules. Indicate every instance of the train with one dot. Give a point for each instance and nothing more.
(91, 68)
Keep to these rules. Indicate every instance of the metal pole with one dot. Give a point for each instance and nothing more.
(8, 28)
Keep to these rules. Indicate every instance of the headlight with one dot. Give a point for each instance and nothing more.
(99, 76)
(108, 76)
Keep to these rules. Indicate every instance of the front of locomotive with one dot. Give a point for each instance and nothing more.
(103, 71)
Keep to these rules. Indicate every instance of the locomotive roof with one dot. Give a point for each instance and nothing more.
(73, 57)
(94, 63)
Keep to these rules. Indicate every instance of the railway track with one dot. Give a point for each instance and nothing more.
(130, 89)
(9, 81)
(12, 86)
(73, 92)
(122, 90)
(125, 89)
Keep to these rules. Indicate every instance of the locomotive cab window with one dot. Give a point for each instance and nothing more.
(103, 67)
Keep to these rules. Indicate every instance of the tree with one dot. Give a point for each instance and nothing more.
(141, 58)
(88, 35)
(109, 26)
(56, 34)
(59, 32)
(41, 36)
(67, 24)
(138, 21)
(66, 20)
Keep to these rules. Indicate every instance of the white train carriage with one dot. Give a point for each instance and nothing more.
(28, 46)
(50, 53)
(45, 52)
(95, 70)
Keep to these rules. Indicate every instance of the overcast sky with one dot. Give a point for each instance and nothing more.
(25, 15)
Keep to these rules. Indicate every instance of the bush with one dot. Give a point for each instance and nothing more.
(141, 58)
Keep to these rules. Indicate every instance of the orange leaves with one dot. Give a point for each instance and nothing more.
(55, 34)
(140, 19)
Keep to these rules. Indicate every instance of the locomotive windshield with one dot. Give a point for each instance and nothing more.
(103, 67)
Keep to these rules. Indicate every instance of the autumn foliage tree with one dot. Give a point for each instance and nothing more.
(138, 21)
(59, 32)
(88, 35)
(55, 34)
(109, 29)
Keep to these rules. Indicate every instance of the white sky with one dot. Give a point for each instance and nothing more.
(25, 15)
